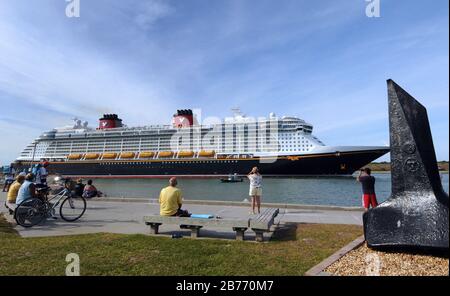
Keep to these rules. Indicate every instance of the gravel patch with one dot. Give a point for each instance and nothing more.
(364, 261)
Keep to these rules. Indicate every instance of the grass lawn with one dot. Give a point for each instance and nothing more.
(293, 251)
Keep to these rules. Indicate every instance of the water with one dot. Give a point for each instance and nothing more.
(338, 191)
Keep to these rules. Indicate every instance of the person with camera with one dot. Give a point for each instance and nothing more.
(255, 191)
(367, 181)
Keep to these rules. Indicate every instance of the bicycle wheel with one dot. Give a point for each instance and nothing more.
(72, 208)
(30, 212)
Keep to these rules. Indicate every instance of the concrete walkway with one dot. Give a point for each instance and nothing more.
(126, 217)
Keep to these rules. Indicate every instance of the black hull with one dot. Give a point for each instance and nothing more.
(323, 164)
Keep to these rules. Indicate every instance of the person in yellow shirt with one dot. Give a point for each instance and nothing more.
(170, 200)
(14, 189)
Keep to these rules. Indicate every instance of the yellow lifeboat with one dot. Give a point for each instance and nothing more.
(110, 155)
(146, 154)
(127, 155)
(186, 154)
(206, 153)
(165, 154)
(75, 156)
(92, 156)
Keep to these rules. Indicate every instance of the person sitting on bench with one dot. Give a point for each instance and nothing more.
(13, 191)
(170, 200)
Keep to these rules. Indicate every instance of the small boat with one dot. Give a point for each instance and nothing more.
(232, 179)
(185, 154)
(165, 154)
(206, 153)
(146, 154)
(92, 156)
(75, 156)
(127, 155)
(111, 155)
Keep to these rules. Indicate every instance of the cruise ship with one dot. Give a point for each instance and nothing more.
(278, 146)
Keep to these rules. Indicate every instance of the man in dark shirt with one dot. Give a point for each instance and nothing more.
(367, 181)
(79, 188)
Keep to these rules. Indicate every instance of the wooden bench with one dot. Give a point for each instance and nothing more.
(194, 224)
(263, 222)
(259, 224)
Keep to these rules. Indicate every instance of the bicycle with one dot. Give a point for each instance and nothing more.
(33, 211)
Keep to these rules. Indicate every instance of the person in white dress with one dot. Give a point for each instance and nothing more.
(255, 189)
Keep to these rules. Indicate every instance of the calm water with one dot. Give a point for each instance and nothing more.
(339, 191)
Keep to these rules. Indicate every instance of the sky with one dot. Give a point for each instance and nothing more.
(323, 61)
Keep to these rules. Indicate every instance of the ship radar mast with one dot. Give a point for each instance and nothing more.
(237, 112)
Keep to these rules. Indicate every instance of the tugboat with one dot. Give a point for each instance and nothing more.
(232, 179)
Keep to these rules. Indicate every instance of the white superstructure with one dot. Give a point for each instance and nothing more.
(234, 135)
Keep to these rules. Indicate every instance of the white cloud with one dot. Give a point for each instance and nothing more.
(151, 11)
(14, 139)
(73, 80)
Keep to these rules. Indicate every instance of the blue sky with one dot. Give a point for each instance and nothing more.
(323, 61)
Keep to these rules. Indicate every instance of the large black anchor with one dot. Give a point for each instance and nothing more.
(416, 214)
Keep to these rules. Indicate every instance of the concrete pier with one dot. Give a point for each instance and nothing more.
(126, 217)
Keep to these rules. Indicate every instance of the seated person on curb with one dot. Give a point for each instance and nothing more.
(170, 201)
(69, 184)
(90, 190)
(14, 190)
(79, 188)
(27, 190)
